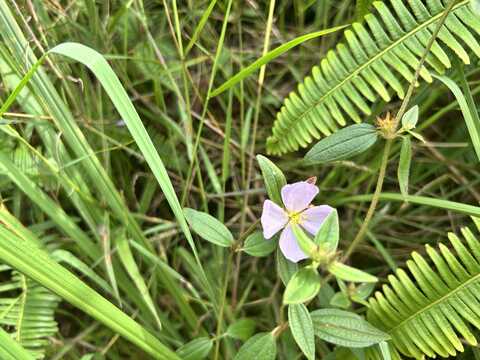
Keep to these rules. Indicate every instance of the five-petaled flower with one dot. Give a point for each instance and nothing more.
(298, 211)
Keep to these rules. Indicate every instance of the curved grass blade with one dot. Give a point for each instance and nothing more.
(112, 85)
(270, 56)
(469, 111)
(25, 256)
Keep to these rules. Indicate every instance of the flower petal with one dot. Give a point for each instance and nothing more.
(313, 218)
(298, 196)
(289, 246)
(273, 219)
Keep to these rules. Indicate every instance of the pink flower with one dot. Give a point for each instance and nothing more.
(296, 199)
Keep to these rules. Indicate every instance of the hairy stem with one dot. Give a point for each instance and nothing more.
(388, 145)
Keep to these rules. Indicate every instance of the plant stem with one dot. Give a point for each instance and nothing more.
(388, 145)
(373, 205)
(222, 304)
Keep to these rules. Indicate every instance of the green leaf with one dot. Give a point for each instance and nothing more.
(209, 228)
(126, 257)
(385, 350)
(403, 171)
(201, 24)
(362, 292)
(196, 349)
(344, 144)
(302, 287)
(329, 233)
(10, 349)
(345, 328)
(410, 118)
(348, 273)
(257, 245)
(119, 97)
(273, 178)
(301, 326)
(340, 300)
(265, 59)
(469, 111)
(285, 268)
(304, 241)
(475, 5)
(25, 256)
(420, 200)
(242, 329)
(262, 346)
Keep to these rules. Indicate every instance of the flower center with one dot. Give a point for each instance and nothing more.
(295, 218)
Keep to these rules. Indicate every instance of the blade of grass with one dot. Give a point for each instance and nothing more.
(414, 199)
(469, 111)
(269, 56)
(126, 256)
(10, 349)
(200, 26)
(25, 256)
(109, 80)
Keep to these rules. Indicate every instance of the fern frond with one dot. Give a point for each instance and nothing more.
(377, 59)
(28, 314)
(430, 311)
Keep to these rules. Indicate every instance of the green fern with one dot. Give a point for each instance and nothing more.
(28, 314)
(429, 312)
(379, 56)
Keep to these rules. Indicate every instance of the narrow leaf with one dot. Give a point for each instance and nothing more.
(348, 273)
(273, 178)
(113, 87)
(209, 228)
(270, 56)
(469, 112)
(301, 326)
(345, 328)
(302, 287)
(385, 350)
(126, 257)
(27, 258)
(343, 144)
(10, 349)
(403, 171)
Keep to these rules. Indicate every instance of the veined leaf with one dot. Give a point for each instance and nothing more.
(262, 346)
(209, 228)
(343, 144)
(348, 273)
(301, 326)
(345, 328)
(257, 245)
(196, 349)
(273, 178)
(302, 287)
